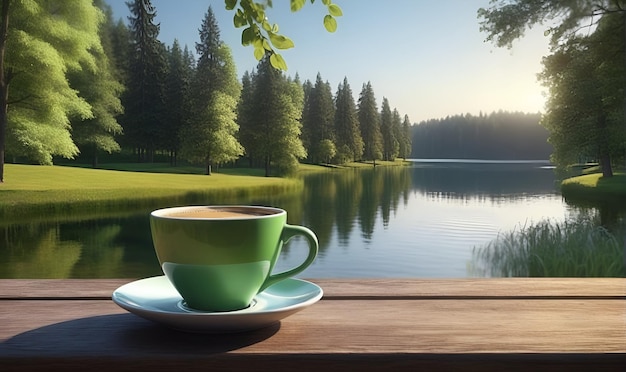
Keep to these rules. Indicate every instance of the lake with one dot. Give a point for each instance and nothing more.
(419, 221)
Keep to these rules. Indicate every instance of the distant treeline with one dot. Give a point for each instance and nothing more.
(497, 136)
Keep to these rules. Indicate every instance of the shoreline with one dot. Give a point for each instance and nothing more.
(30, 191)
(593, 188)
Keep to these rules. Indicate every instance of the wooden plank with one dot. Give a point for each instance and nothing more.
(371, 324)
(363, 288)
(75, 328)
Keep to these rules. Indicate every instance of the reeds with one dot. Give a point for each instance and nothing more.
(574, 248)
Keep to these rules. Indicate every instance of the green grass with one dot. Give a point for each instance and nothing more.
(570, 249)
(595, 188)
(50, 188)
(32, 191)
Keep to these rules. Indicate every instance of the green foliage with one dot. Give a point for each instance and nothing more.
(369, 121)
(144, 100)
(100, 88)
(318, 119)
(404, 149)
(209, 138)
(37, 57)
(327, 150)
(262, 35)
(271, 108)
(598, 63)
(209, 135)
(388, 130)
(505, 20)
(177, 95)
(584, 112)
(349, 142)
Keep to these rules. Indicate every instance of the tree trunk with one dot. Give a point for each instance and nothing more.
(605, 155)
(208, 169)
(5, 77)
(94, 162)
(624, 104)
(267, 166)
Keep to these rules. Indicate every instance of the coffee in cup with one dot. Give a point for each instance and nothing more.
(219, 257)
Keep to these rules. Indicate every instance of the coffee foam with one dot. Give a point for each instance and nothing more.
(219, 213)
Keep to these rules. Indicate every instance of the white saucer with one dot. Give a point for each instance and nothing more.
(157, 300)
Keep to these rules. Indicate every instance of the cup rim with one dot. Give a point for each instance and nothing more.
(163, 212)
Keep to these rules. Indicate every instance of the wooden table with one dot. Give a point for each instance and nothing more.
(486, 324)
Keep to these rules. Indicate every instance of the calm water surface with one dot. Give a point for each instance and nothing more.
(419, 221)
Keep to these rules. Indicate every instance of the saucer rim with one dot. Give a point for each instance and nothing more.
(319, 292)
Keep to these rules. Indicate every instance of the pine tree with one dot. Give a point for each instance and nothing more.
(349, 140)
(245, 117)
(369, 122)
(406, 141)
(209, 136)
(276, 124)
(318, 121)
(144, 101)
(396, 131)
(180, 72)
(386, 129)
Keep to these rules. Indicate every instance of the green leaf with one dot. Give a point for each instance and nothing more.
(280, 41)
(266, 44)
(259, 53)
(278, 62)
(330, 23)
(297, 5)
(266, 26)
(230, 4)
(239, 20)
(335, 10)
(326, 2)
(275, 28)
(248, 36)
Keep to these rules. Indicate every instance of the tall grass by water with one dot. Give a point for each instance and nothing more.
(576, 248)
(32, 189)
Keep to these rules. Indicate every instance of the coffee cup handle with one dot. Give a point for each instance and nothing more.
(289, 231)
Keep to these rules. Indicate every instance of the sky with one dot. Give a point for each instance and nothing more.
(427, 57)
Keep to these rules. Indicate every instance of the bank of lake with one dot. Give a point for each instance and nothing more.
(34, 189)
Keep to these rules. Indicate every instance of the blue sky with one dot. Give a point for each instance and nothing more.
(428, 58)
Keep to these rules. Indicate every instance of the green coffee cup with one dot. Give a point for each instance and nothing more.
(219, 257)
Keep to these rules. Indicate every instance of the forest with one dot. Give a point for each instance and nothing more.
(497, 136)
(74, 81)
(114, 86)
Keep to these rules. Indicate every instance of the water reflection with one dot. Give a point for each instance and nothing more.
(420, 221)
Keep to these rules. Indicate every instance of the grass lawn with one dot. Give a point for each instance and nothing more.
(28, 186)
(32, 189)
(594, 187)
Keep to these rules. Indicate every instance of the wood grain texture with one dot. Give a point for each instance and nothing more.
(397, 288)
(358, 325)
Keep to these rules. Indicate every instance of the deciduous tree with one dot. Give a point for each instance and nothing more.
(39, 42)
(101, 88)
(583, 113)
